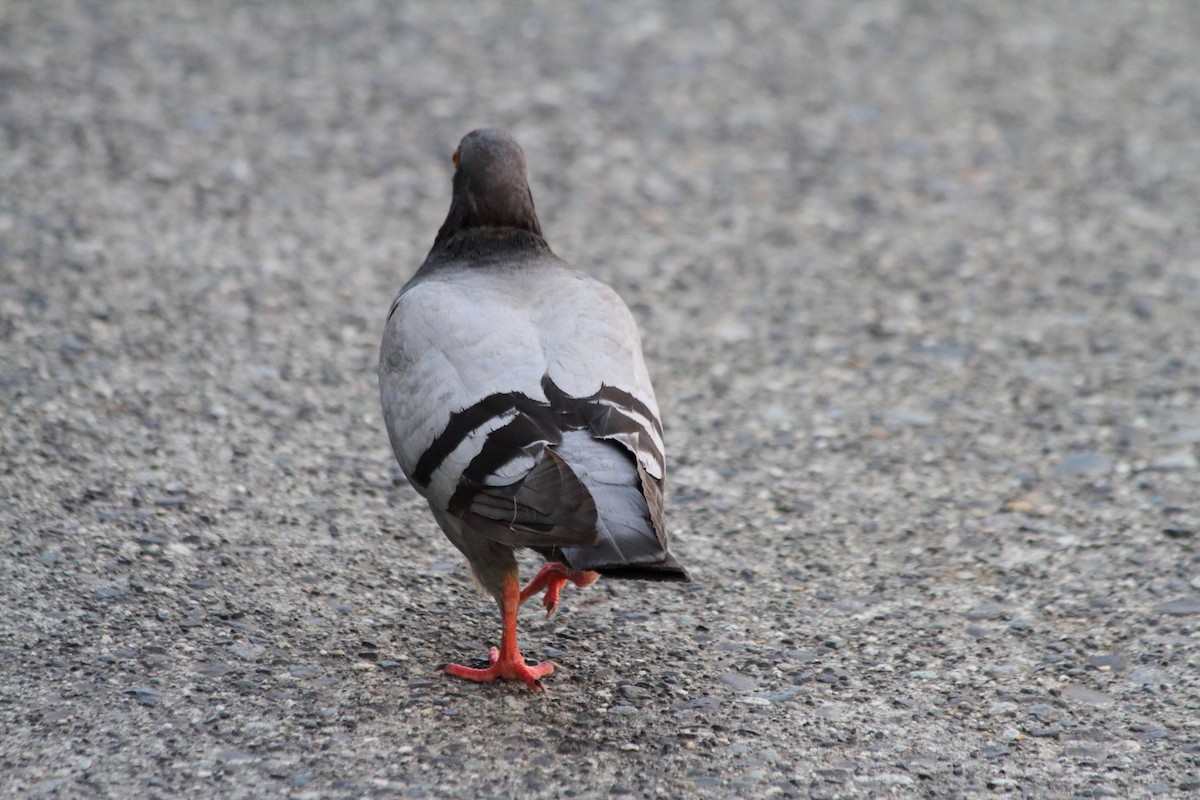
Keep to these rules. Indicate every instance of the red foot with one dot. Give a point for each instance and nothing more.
(552, 578)
(511, 668)
(506, 663)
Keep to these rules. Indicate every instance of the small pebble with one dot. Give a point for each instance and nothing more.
(1083, 464)
(738, 682)
(1182, 460)
(1180, 607)
(145, 695)
(1110, 662)
(1148, 676)
(1082, 694)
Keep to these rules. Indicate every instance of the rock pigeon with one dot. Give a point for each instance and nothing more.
(518, 404)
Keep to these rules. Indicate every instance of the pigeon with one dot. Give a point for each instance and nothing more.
(518, 403)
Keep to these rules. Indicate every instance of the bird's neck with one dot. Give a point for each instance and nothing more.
(487, 244)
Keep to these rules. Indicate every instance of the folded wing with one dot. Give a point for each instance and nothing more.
(532, 417)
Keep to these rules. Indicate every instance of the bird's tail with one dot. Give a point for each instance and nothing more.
(632, 542)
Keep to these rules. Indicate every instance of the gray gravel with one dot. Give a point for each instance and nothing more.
(921, 292)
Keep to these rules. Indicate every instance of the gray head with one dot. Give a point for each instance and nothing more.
(491, 189)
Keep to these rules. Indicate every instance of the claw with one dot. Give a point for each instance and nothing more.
(552, 578)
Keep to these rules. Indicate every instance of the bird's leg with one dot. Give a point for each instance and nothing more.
(507, 664)
(552, 578)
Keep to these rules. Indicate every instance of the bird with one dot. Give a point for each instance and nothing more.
(518, 404)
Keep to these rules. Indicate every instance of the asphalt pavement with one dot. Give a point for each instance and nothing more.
(920, 290)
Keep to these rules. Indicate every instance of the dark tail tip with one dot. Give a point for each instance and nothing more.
(665, 572)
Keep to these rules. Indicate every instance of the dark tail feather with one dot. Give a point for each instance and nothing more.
(669, 570)
(551, 506)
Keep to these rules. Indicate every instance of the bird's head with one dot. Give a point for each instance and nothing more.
(491, 188)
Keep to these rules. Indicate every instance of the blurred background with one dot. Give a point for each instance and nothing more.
(919, 285)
